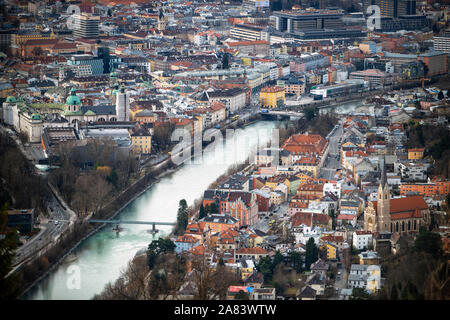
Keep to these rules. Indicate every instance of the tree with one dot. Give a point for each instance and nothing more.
(311, 254)
(429, 242)
(167, 276)
(265, 267)
(277, 259)
(91, 193)
(360, 294)
(9, 286)
(157, 248)
(226, 61)
(211, 284)
(23, 136)
(213, 208)
(201, 212)
(438, 286)
(310, 113)
(182, 217)
(333, 219)
(131, 285)
(297, 261)
(241, 295)
(394, 293)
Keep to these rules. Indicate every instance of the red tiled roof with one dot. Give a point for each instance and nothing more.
(331, 238)
(272, 89)
(186, 238)
(216, 106)
(306, 217)
(305, 143)
(246, 43)
(416, 150)
(256, 250)
(198, 250)
(403, 208)
(346, 217)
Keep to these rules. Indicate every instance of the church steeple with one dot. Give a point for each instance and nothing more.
(162, 20)
(383, 173)
(383, 201)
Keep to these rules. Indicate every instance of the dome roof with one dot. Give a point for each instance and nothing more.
(11, 99)
(73, 99)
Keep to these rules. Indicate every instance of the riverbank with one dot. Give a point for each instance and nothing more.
(121, 202)
(326, 104)
(111, 210)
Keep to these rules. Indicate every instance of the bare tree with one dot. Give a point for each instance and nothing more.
(131, 285)
(211, 283)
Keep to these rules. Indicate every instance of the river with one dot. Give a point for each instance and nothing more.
(102, 257)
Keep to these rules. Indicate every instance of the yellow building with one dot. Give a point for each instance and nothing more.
(415, 154)
(276, 198)
(143, 116)
(272, 97)
(254, 240)
(246, 61)
(246, 270)
(331, 251)
(23, 36)
(271, 184)
(141, 140)
(304, 178)
(308, 164)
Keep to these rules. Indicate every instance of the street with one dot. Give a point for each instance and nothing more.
(332, 161)
(341, 279)
(51, 228)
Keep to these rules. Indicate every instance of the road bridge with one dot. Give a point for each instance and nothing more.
(119, 222)
(281, 114)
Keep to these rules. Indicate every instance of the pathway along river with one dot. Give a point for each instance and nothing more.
(102, 257)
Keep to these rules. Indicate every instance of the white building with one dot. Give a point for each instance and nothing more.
(442, 44)
(363, 276)
(411, 171)
(362, 239)
(234, 98)
(333, 187)
(122, 105)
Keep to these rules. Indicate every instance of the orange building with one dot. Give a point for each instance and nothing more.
(435, 187)
(415, 154)
(315, 189)
(145, 116)
(218, 223)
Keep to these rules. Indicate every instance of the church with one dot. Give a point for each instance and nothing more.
(76, 112)
(398, 215)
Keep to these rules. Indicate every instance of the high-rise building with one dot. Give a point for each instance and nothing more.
(442, 43)
(122, 105)
(103, 53)
(301, 20)
(86, 25)
(258, 5)
(392, 8)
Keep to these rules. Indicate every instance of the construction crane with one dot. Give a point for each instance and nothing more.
(415, 80)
